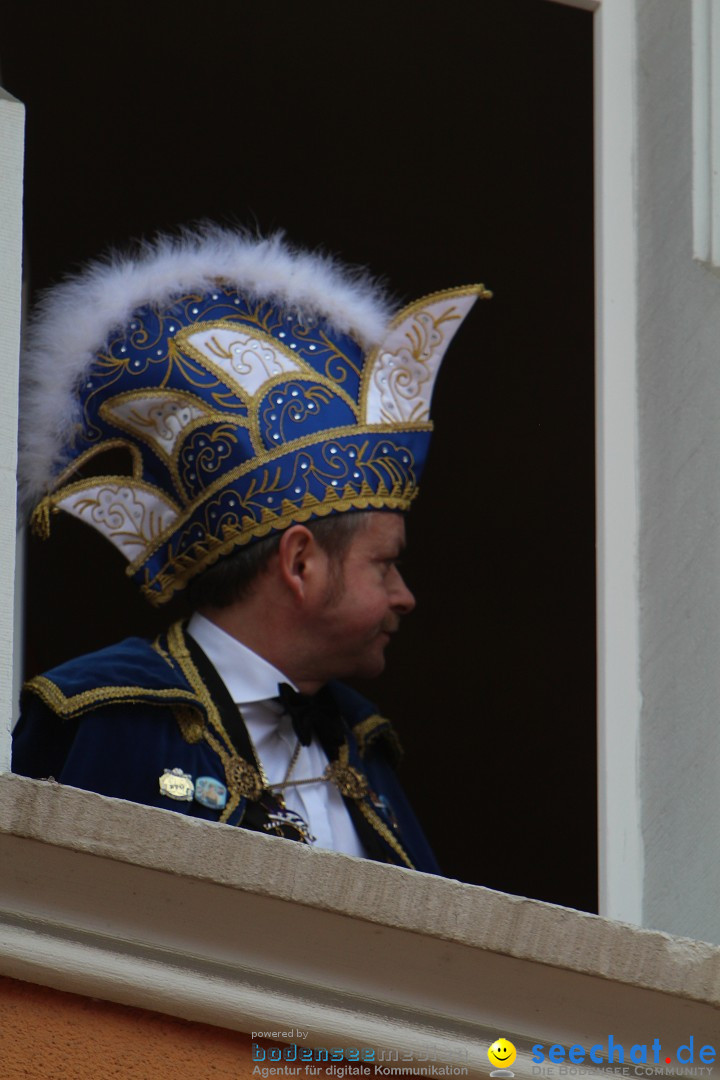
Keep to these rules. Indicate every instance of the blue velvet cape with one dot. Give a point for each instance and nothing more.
(116, 720)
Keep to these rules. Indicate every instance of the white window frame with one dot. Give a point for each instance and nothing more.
(12, 131)
(618, 644)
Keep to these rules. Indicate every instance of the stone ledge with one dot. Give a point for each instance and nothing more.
(149, 908)
(419, 903)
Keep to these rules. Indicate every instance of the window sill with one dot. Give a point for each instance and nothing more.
(210, 923)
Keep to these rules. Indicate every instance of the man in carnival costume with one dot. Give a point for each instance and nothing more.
(274, 414)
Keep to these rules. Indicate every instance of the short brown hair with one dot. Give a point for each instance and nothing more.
(231, 578)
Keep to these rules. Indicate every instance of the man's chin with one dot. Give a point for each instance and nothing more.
(370, 667)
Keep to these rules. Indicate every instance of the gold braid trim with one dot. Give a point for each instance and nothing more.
(162, 652)
(354, 785)
(243, 779)
(382, 828)
(52, 695)
(192, 727)
(40, 518)
(376, 727)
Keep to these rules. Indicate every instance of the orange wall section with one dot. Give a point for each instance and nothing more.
(48, 1033)
(54, 1035)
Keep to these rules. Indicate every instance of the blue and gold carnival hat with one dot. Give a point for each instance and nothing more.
(248, 384)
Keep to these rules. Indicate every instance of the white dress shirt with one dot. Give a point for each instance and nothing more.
(253, 685)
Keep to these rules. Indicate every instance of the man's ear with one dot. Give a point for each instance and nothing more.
(299, 558)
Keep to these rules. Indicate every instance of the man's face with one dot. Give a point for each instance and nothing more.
(363, 609)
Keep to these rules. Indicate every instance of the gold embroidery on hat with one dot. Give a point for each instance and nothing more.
(270, 456)
(141, 521)
(399, 374)
(286, 361)
(320, 391)
(254, 370)
(94, 451)
(40, 518)
(130, 513)
(161, 418)
(403, 374)
(244, 359)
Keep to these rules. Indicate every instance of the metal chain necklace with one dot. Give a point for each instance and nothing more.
(287, 782)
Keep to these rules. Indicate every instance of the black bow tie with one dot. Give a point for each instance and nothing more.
(312, 714)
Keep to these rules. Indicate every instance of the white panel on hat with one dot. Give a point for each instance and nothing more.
(130, 517)
(249, 361)
(401, 376)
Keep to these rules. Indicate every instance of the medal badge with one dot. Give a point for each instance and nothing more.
(211, 793)
(349, 781)
(176, 784)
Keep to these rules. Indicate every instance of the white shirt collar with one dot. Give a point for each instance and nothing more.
(253, 683)
(246, 675)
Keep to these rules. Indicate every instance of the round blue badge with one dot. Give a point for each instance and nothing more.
(210, 792)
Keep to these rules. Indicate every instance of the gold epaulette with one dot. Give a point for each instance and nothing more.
(374, 727)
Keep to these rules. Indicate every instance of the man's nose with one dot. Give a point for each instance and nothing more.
(402, 600)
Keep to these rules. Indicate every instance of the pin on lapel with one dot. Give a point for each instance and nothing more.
(211, 793)
(176, 784)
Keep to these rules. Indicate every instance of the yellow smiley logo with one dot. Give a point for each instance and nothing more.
(502, 1053)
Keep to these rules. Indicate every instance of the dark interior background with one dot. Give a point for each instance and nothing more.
(439, 144)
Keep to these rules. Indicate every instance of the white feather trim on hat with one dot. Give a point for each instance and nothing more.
(74, 319)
